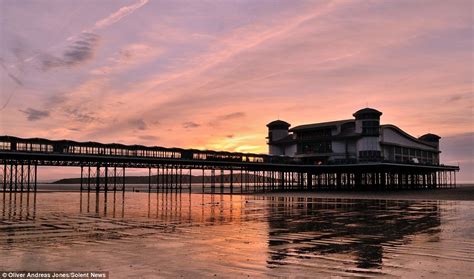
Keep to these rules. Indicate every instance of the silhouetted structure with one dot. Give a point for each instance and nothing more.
(357, 140)
(103, 167)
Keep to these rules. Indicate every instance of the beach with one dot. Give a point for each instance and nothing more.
(137, 234)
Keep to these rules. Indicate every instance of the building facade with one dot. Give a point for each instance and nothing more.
(356, 140)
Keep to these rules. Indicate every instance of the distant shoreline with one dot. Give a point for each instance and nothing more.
(461, 193)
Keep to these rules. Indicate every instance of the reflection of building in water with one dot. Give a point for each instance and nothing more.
(301, 227)
(361, 139)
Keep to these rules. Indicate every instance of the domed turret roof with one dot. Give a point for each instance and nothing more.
(430, 138)
(278, 124)
(366, 111)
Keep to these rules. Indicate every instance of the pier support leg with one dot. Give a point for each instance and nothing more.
(149, 179)
(82, 174)
(231, 181)
(203, 180)
(89, 179)
(309, 182)
(97, 180)
(5, 177)
(16, 177)
(36, 176)
(115, 179)
(222, 180)
(190, 178)
(29, 177)
(106, 178)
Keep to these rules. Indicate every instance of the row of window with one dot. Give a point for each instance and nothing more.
(93, 150)
(370, 154)
(413, 155)
(313, 134)
(227, 157)
(36, 147)
(121, 152)
(315, 147)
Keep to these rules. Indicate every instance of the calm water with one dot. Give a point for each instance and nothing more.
(168, 235)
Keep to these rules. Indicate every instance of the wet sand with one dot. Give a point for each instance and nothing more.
(463, 192)
(460, 193)
(168, 235)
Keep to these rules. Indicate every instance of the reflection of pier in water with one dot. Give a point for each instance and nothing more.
(298, 228)
(305, 228)
(17, 206)
(100, 216)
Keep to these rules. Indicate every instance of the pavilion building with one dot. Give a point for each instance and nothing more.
(356, 140)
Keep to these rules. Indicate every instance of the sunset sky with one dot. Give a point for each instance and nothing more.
(211, 74)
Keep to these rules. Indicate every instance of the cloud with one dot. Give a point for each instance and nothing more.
(79, 115)
(128, 57)
(458, 97)
(82, 49)
(139, 124)
(281, 62)
(33, 114)
(188, 125)
(118, 15)
(234, 115)
(149, 137)
(12, 76)
(79, 51)
(226, 117)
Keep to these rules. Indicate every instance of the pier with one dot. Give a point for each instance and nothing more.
(103, 168)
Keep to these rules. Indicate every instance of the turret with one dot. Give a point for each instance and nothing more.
(277, 130)
(368, 121)
(431, 139)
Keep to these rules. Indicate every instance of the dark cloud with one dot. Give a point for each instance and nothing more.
(79, 51)
(80, 116)
(233, 115)
(458, 97)
(139, 124)
(148, 137)
(190, 124)
(33, 114)
(230, 136)
(216, 121)
(56, 99)
(82, 49)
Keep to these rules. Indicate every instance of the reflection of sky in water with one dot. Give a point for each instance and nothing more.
(244, 234)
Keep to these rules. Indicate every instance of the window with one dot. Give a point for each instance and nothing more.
(316, 147)
(370, 154)
(370, 128)
(5, 145)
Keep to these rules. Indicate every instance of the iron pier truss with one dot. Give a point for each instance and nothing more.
(103, 168)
